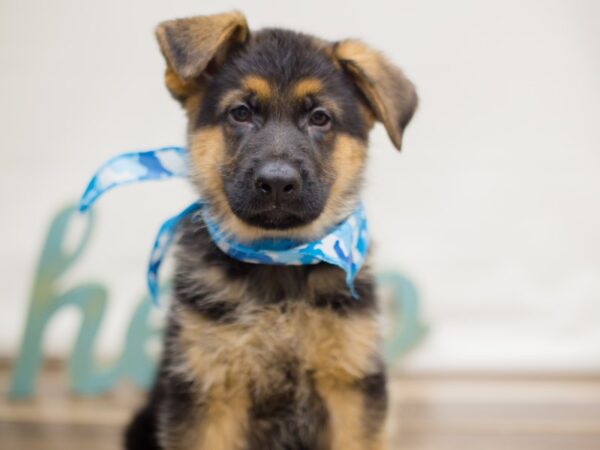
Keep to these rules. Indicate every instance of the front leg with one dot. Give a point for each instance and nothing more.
(344, 352)
(224, 425)
(206, 397)
(192, 420)
(357, 412)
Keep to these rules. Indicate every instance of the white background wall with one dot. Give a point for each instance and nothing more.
(492, 208)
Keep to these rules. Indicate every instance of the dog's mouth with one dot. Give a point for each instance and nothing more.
(275, 215)
(276, 218)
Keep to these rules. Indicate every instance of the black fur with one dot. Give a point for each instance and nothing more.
(141, 432)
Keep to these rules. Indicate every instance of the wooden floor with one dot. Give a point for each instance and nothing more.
(429, 413)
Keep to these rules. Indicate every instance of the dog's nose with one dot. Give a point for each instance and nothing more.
(277, 179)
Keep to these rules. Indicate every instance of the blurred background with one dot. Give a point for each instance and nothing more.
(491, 210)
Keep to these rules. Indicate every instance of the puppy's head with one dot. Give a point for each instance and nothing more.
(279, 121)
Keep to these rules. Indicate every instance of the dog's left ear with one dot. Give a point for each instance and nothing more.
(389, 94)
(197, 46)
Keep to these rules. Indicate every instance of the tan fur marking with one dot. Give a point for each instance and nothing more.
(348, 160)
(308, 86)
(345, 408)
(207, 151)
(224, 425)
(192, 104)
(229, 98)
(176, 86)
(259, 86)
(314, 86)
(340, 349)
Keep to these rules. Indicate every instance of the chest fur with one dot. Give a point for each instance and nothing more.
(258, 349)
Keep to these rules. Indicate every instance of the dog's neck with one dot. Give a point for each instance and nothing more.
(344, 246)
(204, 275)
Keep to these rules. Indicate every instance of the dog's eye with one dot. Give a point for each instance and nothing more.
(319, 118)
(240, 113)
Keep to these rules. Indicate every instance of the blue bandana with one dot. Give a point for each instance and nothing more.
(344, 246)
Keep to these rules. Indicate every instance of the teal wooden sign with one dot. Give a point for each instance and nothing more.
(85, 374)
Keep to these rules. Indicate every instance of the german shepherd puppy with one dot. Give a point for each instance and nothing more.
(261, 357)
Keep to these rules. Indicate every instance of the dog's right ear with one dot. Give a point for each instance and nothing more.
(197, 46)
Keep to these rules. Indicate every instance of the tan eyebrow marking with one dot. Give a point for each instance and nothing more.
(314, 86)
(258, 85)
(228, 98)
(307, 86)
